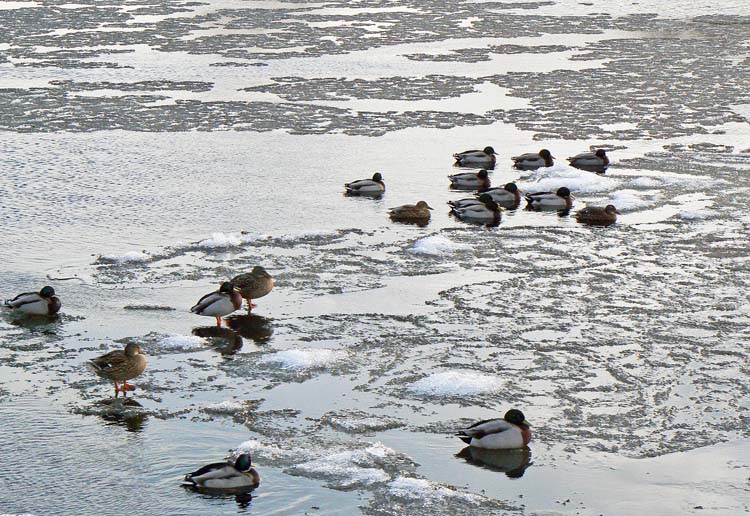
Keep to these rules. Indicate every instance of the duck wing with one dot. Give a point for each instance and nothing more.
(23, 299)
(529, 156)
(207, 301)
(483, 428)
(584, 156)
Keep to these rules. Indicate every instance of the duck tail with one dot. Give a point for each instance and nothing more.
(465, 438)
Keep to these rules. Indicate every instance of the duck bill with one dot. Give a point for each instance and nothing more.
(526, 423)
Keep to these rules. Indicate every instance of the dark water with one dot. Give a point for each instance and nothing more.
(152, 151)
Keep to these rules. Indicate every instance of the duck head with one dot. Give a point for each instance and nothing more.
(377, 177)
(563, 192)
(47, 292)
(611, 210)
(545, 154)
(482, 174)
(132, 349)
(516, 417)
(423, 205)
(243, 462)
(600, 153)
(260, 272)
(227, 287)
(489, 150)
(511, 187)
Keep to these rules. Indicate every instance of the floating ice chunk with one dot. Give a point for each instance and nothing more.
(578, 181)
(228, 407)
(420, 488)
(222, 240)
(299, 359)
(697, 214)
(645, 182)
(456, 383)
(181, 342)
(436, 245)
(129, 257)
(626, 200)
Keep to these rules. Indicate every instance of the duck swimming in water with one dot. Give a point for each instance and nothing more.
(470, 180)
(44, 302)
(369, 187)
(508, 196)
(533, 160)
(219, 303)
(418, 213)
(558, 200)
(487, 212)
(484, 158)
(224, 477)
(597, 216)
(512, 431)
(590, 161)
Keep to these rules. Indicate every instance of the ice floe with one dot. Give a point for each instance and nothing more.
(302, 359)
(456, 383)
(436, 245)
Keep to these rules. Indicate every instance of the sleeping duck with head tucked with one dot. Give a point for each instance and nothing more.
(44, 302)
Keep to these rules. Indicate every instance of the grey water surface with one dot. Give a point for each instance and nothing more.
(150, 150)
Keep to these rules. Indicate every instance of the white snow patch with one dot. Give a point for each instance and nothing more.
(182, 342)
(436, 245)
(225, 407)
(349, 467)
(645, 182)
(456, 383)
(129, 257)
(578, 181)
(697, 214)
(222, 240)
(300, 359)
(626, 200)
(420, 488)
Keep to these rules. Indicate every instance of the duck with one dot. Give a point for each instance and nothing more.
(470, 180)
(533, 160)
(559, 200)
(480, 158)
(590, 161)
(372, 187)
(510, 432)
(219, 303)
(44, 302)
(252, 285)
(598, 216)
(224, 477)
(508, 195)
(464, 203)
(120, 365)
(418, 213)
(487, 211)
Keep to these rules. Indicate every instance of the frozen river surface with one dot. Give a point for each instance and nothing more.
(151, 150)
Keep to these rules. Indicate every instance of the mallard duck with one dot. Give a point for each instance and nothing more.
(511, 462)
(533, 161)
(512, 431)
(220, 303)
(252, 285)
(45, 302)
(418, 213)
(480, 158)
(120, 365)
(597, 216)
(508, 195)
(590, 161)
(374, 186)
(465, 202)
(224, 477)
(487, 212)
(559, 200)
(470, 180)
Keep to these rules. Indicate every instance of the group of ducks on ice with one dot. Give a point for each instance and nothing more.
(236, 475)
(487, 204)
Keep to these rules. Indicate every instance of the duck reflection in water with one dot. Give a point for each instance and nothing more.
(225, 340)
(257, 328)
(124, 412)
(511, 462)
